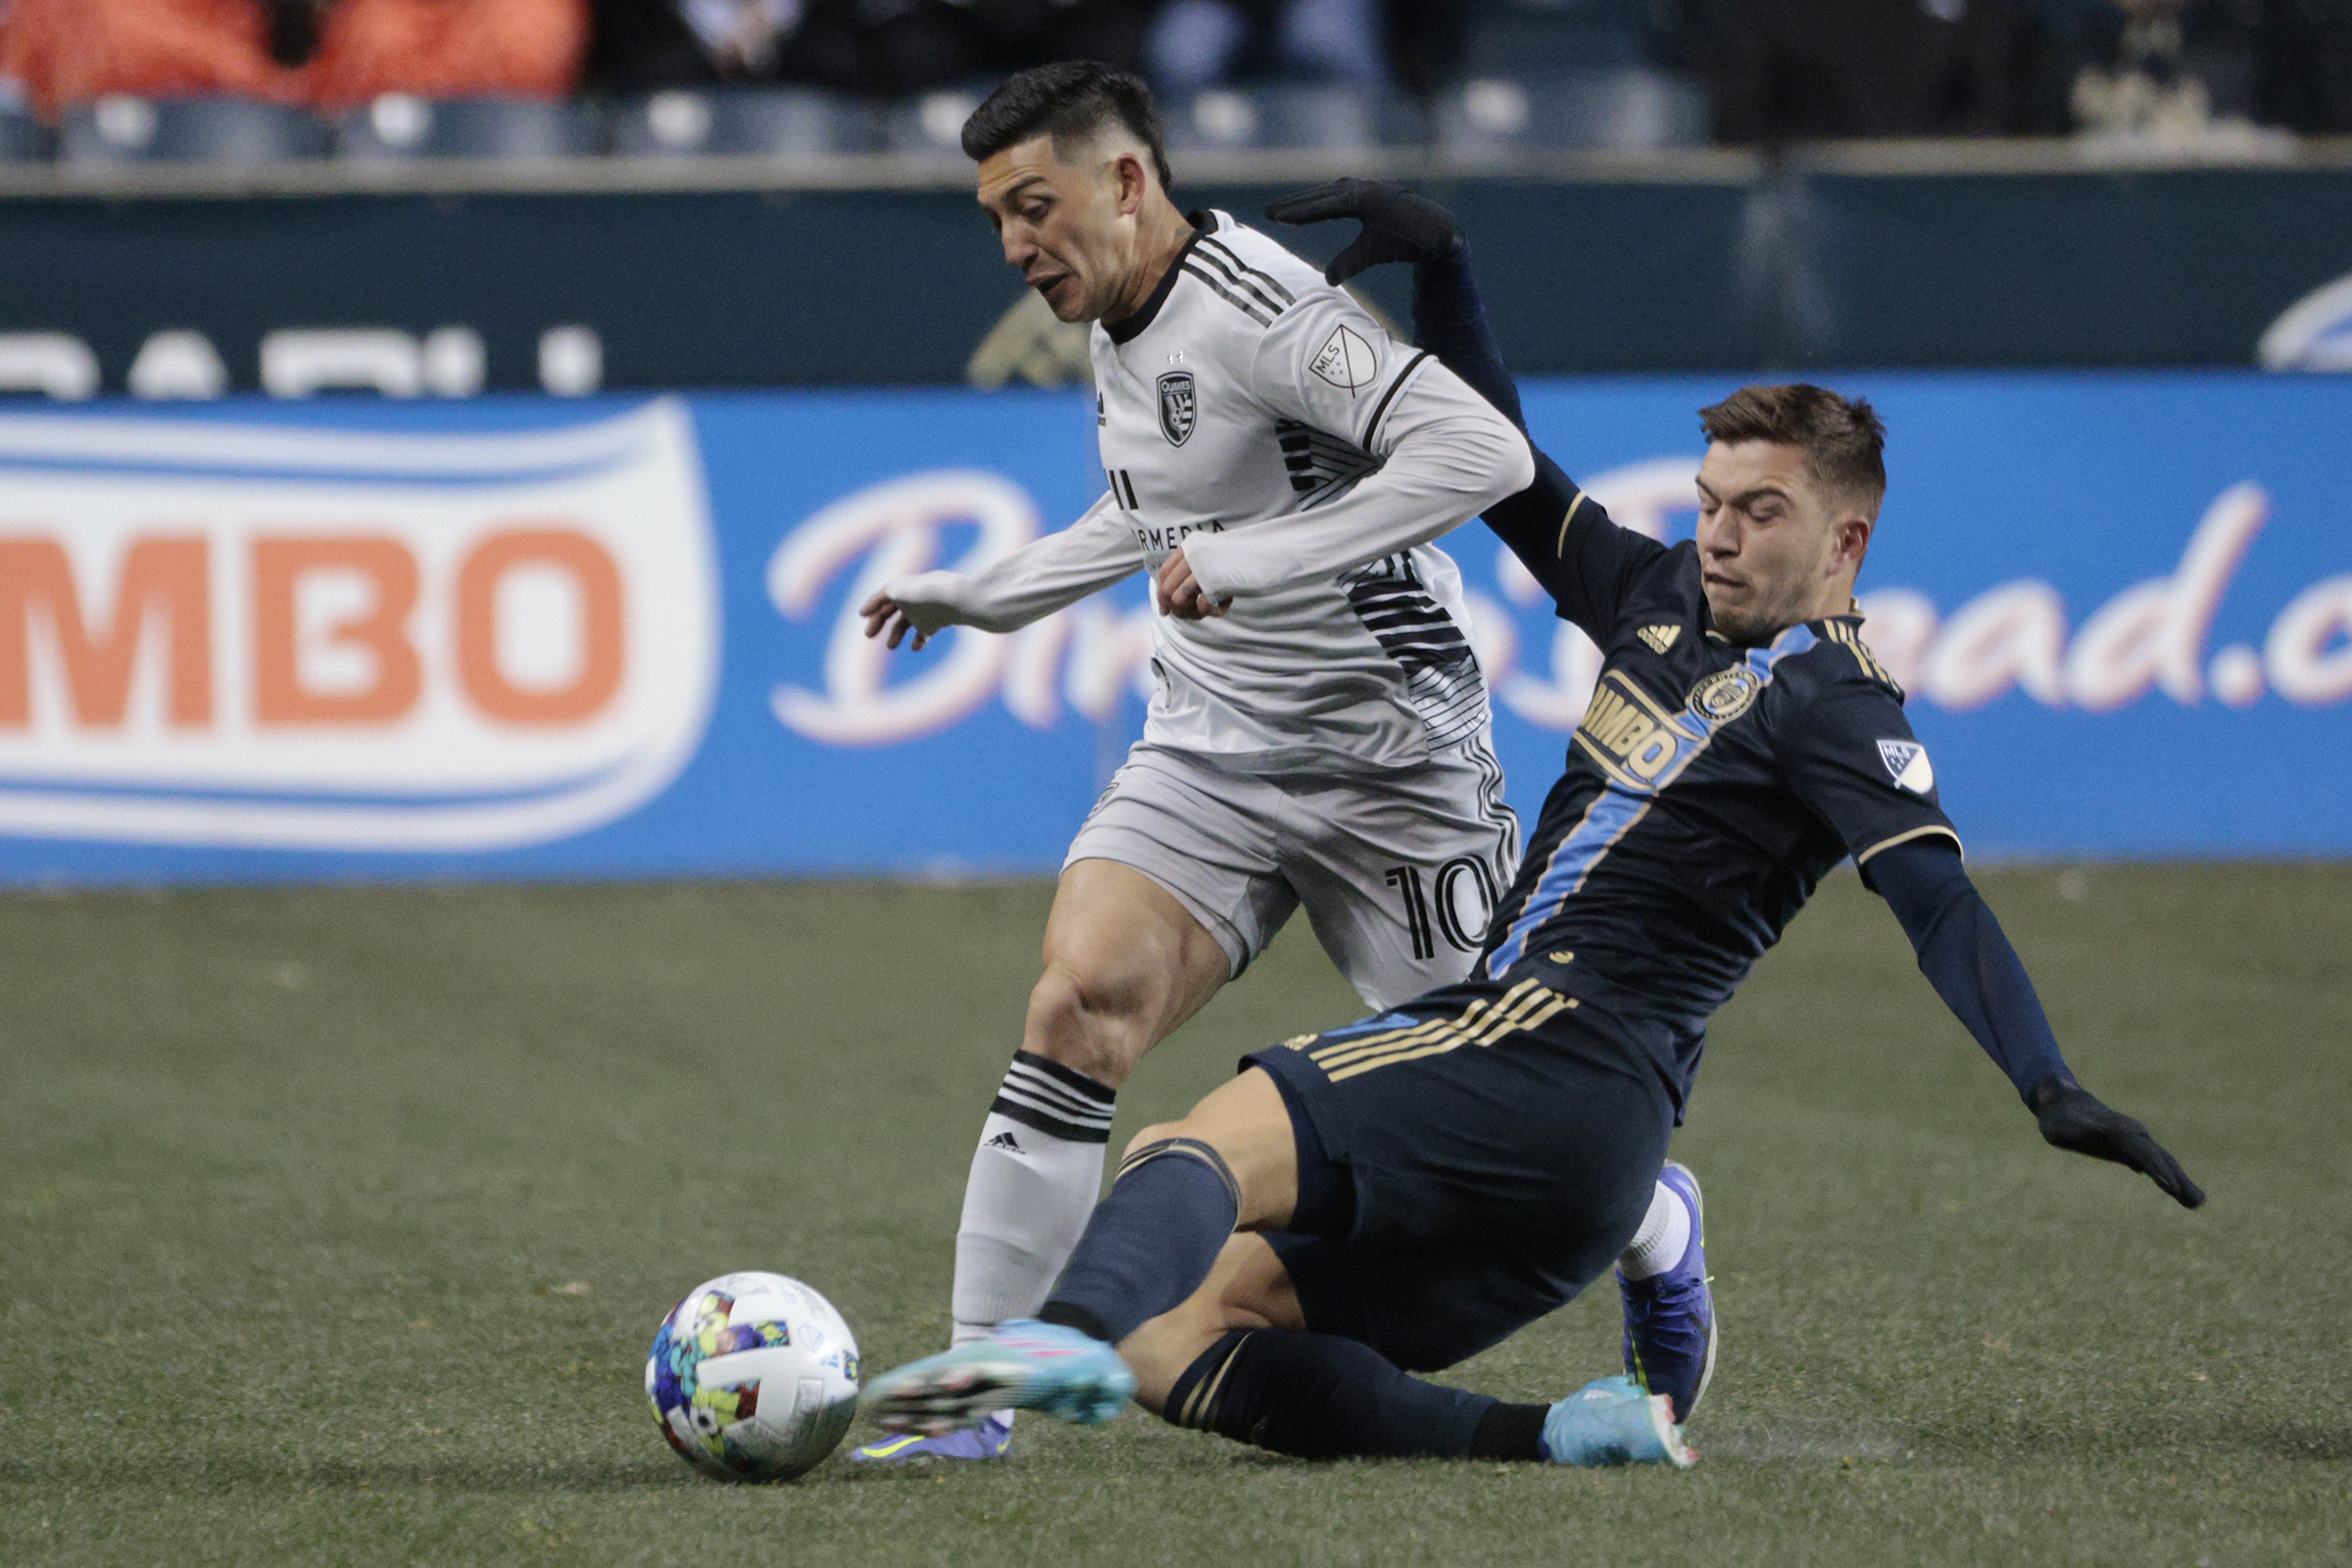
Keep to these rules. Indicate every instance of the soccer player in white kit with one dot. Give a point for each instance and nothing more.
(1318, 730)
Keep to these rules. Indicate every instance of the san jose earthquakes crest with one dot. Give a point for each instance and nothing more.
(1179, 407)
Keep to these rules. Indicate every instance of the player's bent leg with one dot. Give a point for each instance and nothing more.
(1238, 1360)
(1185, 1186)
(1184, 1189)
(1248, 1289)
(1322, 1397)
(1125, 965)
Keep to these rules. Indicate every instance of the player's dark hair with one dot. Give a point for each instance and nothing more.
(1843, 439)
(1069, 100)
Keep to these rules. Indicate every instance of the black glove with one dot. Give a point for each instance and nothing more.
(1399, 225)
(2071, 1117)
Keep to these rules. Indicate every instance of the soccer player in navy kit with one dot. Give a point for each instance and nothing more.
(1400, 1193)
(1318, 731)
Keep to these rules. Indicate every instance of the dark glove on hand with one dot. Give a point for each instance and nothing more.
(1399, 225)
(2071, 1117)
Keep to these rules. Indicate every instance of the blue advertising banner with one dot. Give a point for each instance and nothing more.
(526, 638)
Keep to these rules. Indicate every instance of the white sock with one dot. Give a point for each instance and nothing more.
(1664, 1235)
(1034, 1181)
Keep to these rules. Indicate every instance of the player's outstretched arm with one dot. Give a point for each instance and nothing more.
(1966, 958)
(1444, 455)
(1449, 319)
(1032, 583)
(1560, 535)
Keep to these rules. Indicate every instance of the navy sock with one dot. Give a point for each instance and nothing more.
(1151, 1243)
(1320, 1397)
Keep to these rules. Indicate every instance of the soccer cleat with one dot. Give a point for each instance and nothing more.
(1025, 1364)
(1610, 1421)
(1670, 1317)
(992, 1438)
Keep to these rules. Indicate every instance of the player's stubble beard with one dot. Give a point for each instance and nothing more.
(1754, 624)
(1777, 601)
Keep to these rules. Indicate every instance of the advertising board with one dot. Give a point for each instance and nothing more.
(514, 637)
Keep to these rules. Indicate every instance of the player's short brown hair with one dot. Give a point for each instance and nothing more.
(1843, 439)
(1069, 100)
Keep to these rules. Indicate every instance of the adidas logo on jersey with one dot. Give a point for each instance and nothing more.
(1007, 1142)
(1907, 765)
(1659, 638)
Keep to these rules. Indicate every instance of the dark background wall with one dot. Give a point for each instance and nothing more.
(754, 288)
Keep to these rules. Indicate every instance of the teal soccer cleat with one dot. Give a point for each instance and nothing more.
(1610, 1421)
(1025, 1364)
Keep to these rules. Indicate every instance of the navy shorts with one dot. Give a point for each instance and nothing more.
(1466, 1165)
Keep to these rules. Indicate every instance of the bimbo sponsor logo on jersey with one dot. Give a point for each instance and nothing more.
(278, 635)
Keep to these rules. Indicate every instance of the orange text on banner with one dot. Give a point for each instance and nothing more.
(280, 696)
(165, 577)
(595, 577)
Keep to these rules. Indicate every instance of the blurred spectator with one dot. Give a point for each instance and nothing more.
(1806, 70)
(330, 53)
(876, 47)
(445, 49)
(2166, 68)
(1203, 43)
(70, 51)
(1417, 44)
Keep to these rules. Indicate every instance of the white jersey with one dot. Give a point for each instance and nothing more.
(1305, 460)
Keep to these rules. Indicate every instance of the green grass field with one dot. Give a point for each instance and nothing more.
(334, 1224)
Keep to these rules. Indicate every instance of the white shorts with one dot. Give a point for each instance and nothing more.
(1400, 870)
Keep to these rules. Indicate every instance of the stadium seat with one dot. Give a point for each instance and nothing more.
(398, 127)
(1321, 117)
(790, 122)
(931, 125)
(23, 140)
(235, 131)
(1629, 107)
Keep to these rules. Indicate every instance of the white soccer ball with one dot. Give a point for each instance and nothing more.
(754, 1377)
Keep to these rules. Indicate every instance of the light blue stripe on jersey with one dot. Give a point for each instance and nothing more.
(1619, 806)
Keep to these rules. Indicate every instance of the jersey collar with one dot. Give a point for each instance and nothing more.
(1127, 332)
(1852, 618)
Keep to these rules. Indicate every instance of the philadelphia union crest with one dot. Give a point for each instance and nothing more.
(1176, 407)
(1725, 694)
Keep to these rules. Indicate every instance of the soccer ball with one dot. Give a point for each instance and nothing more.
(754, 1377)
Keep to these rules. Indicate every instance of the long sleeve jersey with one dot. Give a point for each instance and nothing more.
(1305, 461)
(1845, 764)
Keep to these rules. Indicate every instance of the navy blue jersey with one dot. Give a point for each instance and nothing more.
(1707, 792)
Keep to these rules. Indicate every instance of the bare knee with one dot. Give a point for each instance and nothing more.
(1078, 1020)
(1157, 1133)
(1245, 1123)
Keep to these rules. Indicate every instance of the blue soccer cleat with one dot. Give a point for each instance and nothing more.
(992, 1438)
(1610, 1421)
(1025, 1364)
(1670, 1317)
